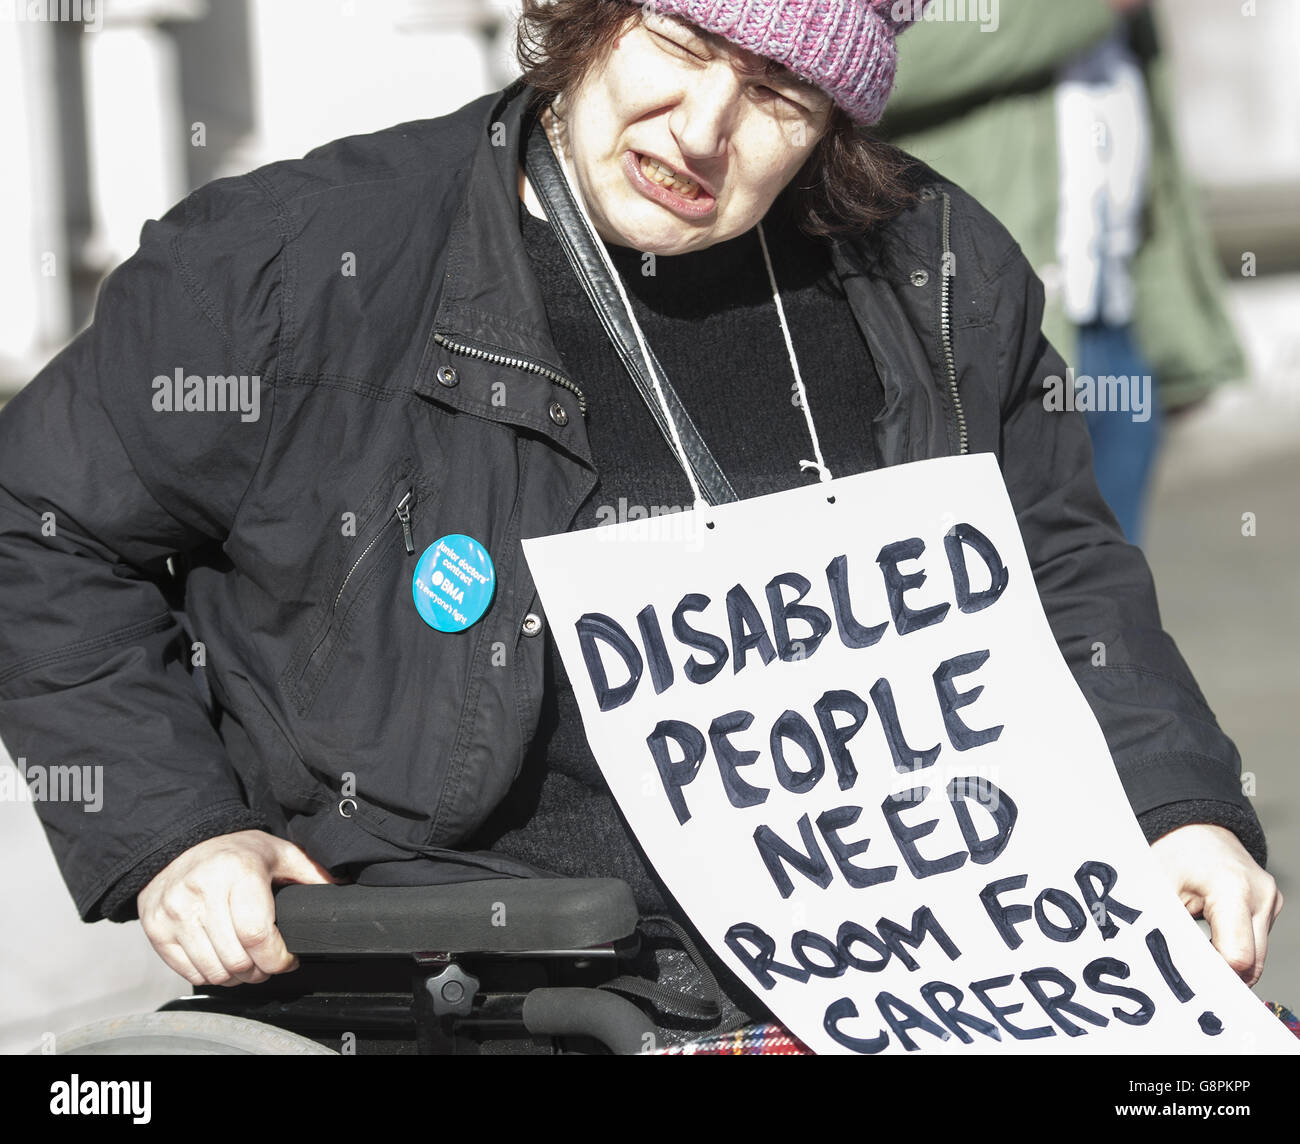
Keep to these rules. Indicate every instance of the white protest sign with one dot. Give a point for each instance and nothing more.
(847, 740)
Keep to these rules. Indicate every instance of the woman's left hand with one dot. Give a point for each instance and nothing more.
(1217, 879)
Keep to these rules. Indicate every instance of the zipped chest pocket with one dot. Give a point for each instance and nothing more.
(386, 534)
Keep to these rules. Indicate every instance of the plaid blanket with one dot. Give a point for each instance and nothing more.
(1283, 1014)
(753, 1040)
(776, 1040)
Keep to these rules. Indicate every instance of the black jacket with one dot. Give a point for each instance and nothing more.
(409, 388)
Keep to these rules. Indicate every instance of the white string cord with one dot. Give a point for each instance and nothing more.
(820, 463)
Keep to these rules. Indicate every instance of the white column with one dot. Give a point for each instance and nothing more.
(1236, 98)
(136, 137)
(34, 294)
(324, 69)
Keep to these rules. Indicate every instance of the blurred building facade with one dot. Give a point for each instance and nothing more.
(112, 119)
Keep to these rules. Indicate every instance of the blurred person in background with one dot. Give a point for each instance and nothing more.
(1056, 117)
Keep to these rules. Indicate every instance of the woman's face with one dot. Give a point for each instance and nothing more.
(670, 93)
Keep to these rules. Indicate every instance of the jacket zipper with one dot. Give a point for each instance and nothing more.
(403, 513)
(945, 286)
(402, 510)
(517, 362)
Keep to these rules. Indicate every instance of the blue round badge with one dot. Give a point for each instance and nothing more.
(453, 583)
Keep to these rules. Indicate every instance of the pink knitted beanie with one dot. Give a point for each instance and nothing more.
(845, 47)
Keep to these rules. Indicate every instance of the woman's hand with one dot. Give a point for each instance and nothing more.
(1216, 879)
(210, 914)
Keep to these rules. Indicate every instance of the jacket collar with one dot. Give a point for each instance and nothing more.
(486, 300)
(917, 420)
(490, 306)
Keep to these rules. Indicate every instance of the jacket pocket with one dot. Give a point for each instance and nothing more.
(385, 533)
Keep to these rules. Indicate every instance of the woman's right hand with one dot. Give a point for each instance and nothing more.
(210, 914)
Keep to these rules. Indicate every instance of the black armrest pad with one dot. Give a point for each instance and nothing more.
(504, 915)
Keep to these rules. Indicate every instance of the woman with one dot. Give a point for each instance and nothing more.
(449, 379)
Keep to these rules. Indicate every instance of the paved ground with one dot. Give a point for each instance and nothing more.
(1230, 601)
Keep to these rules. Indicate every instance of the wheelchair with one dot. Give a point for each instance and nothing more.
(499, 967)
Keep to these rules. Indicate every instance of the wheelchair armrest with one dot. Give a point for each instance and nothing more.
(502, 915)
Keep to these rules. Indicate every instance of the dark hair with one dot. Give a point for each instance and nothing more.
(849, 182)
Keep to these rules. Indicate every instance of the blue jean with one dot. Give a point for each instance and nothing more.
(1123, 448)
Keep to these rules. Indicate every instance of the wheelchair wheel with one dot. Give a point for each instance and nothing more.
(184, 1034)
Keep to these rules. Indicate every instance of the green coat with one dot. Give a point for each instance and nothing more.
(979, 107)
